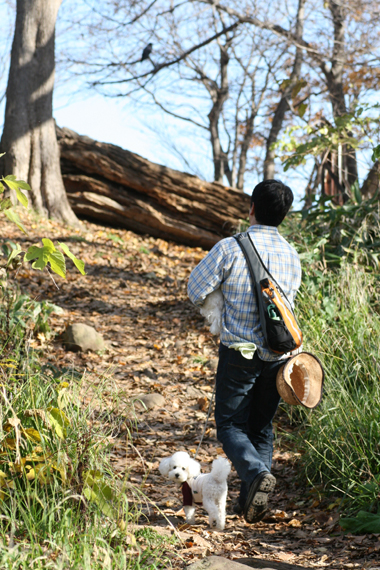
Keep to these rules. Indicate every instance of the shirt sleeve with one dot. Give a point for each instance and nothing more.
(295, 280)
(207, 275)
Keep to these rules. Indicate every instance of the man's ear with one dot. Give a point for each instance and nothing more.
(252, 210)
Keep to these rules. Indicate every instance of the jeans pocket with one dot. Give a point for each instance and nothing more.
(240, 368)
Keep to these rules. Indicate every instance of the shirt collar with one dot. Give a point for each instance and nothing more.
(263, 229)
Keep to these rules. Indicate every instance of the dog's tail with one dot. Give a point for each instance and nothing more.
(220, 469)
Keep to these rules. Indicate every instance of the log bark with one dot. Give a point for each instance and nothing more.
(117, 187)
(29, 138)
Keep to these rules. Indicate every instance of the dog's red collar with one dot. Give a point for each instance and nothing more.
(187, 495)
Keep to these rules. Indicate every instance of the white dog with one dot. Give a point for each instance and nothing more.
(209, 489)
(212, 310)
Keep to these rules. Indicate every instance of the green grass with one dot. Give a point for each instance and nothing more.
(61, 504)
(340, 440)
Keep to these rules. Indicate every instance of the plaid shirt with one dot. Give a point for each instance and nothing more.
(225, 267)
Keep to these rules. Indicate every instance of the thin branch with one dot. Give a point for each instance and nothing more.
(277, 29)
(161, 106)
(160, 66)
(114, 21)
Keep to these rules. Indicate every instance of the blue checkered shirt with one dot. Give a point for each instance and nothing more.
(225, 267)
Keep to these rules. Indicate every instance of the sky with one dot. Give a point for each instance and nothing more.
(105, 120)
(112, 121)
(119, 122)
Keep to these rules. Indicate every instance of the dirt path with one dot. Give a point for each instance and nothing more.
(134, 293)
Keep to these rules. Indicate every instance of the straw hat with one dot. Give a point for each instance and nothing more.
(300, 380)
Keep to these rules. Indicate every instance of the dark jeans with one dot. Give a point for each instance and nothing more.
(246, 400)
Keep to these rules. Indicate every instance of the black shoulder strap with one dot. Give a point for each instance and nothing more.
(257, 271)
(255, 265)
(257, 268)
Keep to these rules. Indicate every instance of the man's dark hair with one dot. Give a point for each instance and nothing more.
(272, 201)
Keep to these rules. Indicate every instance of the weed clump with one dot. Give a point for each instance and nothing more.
(61, 504)
(338, 307)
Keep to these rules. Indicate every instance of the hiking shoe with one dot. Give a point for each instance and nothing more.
(256, 504)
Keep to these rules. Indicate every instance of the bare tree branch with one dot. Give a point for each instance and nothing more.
(176, 115)
(160, 66)
(118, 22)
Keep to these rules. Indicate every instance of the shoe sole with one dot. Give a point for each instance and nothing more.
(257, 501)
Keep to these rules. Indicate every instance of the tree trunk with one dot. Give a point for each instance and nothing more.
(29, 137)
(114, 186)
(371, 184)
(283, 105)
(247, 138)
(334, 79)
(219, 97)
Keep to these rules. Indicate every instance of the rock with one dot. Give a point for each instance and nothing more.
(269, 564)
(149, 373)
(150, 401)
(212, 363)
(150, 275)
(216, 563)
(220, 563)
(193, 392)
(79, 336)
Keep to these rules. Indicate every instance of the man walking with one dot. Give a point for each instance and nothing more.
(246, 398)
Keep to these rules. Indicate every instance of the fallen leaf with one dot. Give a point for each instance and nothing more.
(295, 523)
(203, 404)
(284, 556)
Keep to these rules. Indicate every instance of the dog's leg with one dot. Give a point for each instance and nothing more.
(189, 512)
(216, 512)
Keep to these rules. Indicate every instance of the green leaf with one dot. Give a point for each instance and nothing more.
(48, 245)
(77, 262)
(285, 84)
(13, 254)
(59, 421)
(39, 254)
(298, 86)
(97, 491)
(47, 254)
(14, 217)
(363, 522)
(356, 190)
(57, 263)
(376, 153)
(65, 398)
(302, 109)
(16, 185)
(5, 204)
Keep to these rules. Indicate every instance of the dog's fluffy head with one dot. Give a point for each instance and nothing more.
(179, 467)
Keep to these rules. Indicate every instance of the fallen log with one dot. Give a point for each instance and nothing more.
(111, 185)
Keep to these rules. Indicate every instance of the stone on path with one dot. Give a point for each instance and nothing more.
(212, 363)
(216, 563)
(220, 563)
(150, 401)
(79, 336)
(193, 392)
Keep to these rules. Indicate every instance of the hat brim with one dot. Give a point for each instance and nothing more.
(300, 381)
